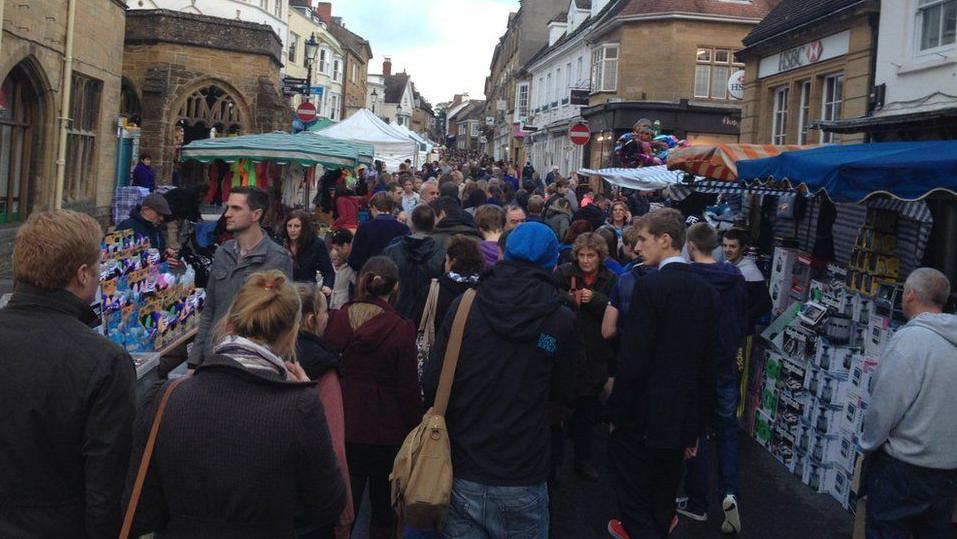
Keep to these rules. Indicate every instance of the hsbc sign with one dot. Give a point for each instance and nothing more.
(832, 46)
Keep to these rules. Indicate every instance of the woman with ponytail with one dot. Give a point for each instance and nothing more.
(243, 448)
(380, 386)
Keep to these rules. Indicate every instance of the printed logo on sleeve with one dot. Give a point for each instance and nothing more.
(547, 343)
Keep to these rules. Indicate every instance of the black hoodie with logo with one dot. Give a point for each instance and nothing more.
(520, 350)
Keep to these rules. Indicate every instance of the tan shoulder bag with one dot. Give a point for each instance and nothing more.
(422, 474)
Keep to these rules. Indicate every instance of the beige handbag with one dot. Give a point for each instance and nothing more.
(425, 337)
(422, 474)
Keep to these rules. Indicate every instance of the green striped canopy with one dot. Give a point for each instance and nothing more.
(306, 149)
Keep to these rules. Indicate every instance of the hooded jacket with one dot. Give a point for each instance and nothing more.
(519, 351)
(558, 221)
(420, 259)
(144, 228)
(727, 280)
(380, 376)
(312, 259)
(452, 225)
(490, 253)
(911, 413)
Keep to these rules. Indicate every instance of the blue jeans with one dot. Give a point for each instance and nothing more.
(904, 500)
(490, 512)
(725, 426)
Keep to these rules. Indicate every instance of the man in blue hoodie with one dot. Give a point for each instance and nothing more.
(732, 327)
(910, 428)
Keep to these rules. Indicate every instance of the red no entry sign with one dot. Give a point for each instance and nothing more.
(306, 112)
(579, 134)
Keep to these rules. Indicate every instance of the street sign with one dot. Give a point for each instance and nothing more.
(736, 84)
(579, 97)
(306, 112)
(579, 134)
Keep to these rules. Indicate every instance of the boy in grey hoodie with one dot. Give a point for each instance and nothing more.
(910, 430)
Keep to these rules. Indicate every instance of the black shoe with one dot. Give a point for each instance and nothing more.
(587, 471)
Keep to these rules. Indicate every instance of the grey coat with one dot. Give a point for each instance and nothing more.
(226, 276)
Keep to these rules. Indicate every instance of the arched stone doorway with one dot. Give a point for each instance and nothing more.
(208, 111)
(21, 120)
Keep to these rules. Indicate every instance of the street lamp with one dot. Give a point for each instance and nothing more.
(375, 99)
(311, 47)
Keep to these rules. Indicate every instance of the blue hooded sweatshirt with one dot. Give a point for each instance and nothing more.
(726, 278)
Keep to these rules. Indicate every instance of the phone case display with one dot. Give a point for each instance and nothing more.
(815, 374)
(143, 306)
(874, 262)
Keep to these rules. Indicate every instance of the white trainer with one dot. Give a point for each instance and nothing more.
(732, 520)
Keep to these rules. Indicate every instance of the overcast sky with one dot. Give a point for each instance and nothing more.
(445, 45)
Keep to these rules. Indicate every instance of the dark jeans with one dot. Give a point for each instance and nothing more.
(488, 512)
(372, 464)
(582, 428)
(905, 501)
(725, 425)
(646, 482)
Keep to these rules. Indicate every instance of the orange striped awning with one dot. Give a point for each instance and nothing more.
(719, 162)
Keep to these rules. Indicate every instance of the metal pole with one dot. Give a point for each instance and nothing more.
(66, 87)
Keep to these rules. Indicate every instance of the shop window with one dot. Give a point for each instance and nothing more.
(334, 106)
(779, 116)
(278, 10)
(264, 4)
(604, 68)
(354, 76)
(831, 102)
(81, 138)
(475, 128)
(805, 112)
(293, 45)
(713, 68)
(937, 23)
(18, 124)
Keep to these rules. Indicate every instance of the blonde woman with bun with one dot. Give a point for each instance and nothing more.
(244, 448)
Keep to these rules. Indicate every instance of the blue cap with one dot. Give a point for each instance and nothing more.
(534, 243)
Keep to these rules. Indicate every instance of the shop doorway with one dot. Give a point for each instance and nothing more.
(19, 142)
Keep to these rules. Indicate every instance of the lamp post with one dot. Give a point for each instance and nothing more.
(311, 47)
(375, 99)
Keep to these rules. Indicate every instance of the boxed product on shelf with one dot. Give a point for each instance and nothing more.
(763, 424)
(852, 414)
(801, 273)
(878, 333)
(779, 283)
(861, 373)
(833, 358)
(837, 483)
(825, 419)
(814, 475)
(799, 342)
(769, 401)
(832, 388)
(830, 290)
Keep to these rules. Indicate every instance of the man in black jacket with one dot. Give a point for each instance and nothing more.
(519, 351)
(420, 259)
(372, 237)
(67, 394)
(451, 220)
(664, 390)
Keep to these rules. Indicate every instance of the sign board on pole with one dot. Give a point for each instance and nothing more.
(579, 97)
(306, 112)
(736, 84)
(579, 134)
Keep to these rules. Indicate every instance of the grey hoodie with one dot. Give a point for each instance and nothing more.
(911, 411)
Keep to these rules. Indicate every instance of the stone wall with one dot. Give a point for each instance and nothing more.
(169, 55)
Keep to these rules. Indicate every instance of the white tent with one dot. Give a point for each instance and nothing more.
(642, 178)
(392, 146)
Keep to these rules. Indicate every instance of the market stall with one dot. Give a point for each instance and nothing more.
(850, 223)
(391, 146)
(651, 178)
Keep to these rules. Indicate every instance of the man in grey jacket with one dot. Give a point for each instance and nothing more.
(249, 252)
(910, 430)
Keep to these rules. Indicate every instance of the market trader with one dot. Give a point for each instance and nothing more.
(910, 426)
(249, 252)
(67, 393)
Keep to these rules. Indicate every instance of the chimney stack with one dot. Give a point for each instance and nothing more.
(324, 11)
(387, 66)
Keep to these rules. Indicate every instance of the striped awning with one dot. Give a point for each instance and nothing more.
(719, 162)
(641, 178)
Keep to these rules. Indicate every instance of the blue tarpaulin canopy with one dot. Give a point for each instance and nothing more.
(854, 172)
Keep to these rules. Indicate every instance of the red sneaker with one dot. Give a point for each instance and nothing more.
(673, 525)
(617, 530)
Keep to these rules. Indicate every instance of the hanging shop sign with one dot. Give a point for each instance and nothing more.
(579, 97)
(832, 46)
(736, 84)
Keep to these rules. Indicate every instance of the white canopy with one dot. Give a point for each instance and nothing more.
(392, 146)
(642, 178)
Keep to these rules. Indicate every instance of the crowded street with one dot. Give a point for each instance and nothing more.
(482, 269)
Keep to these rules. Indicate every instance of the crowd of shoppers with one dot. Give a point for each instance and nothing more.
(307, 372)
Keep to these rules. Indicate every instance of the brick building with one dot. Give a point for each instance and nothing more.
(667, 60)
(808, 62)
(32, 67)
(185, 75)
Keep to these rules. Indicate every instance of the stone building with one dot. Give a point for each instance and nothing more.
(32, 66)
(357, 53)
(805, 65)
(670, 61)
(192, 76)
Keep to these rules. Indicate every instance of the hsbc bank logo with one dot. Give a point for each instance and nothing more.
(800, 56)
(813, 51)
